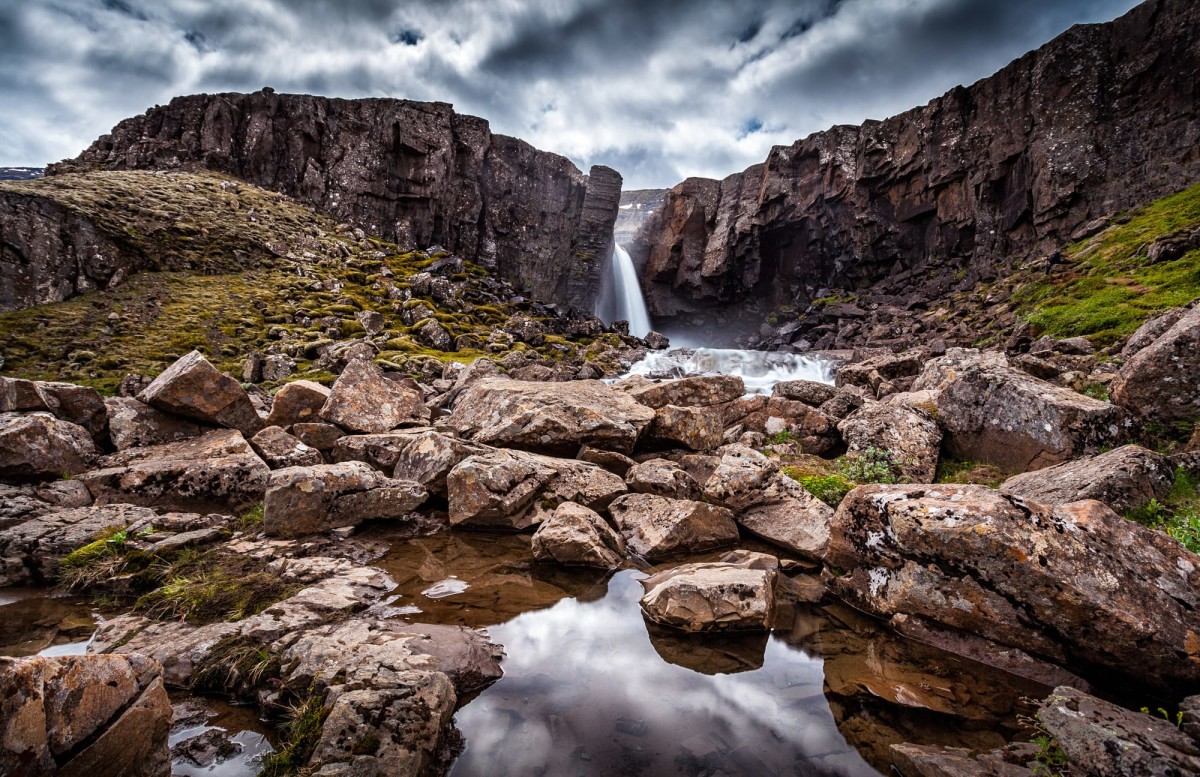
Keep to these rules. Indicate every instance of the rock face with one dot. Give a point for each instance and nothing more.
(193, 388)
(655, 527)
(134, 424)
(414, 173)
(550, 417)
(308, 500)
(76, 715)
(1003, 168)
(1124, 479)
(1158, 382)
(1074, 584)
(711, 597)
(573, 535)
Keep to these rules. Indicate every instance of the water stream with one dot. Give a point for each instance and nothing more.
(760, 370)
(621, 297)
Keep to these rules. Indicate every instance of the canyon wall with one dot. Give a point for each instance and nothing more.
(1099, 120)
(415, 173)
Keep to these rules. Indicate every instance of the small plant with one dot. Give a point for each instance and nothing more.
(1176, 721)
(302, 732)
(871, 465)
(830, 489)
(1152, 514)
(781, 438)
(251, 520)
(1096, 391)
(1050, 760)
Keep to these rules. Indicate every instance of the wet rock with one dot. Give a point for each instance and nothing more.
(662, 478)
(363, 400)
(911, 436)
(30, 550)
(38, 446)
(656, 341)
(93, 715)
(1124, 479)
(1158, 383)
(134, 424)
(810, 392)
(711, 597)
(573, 535)
(550, 417)
(1074, 584)
(1002, 416)
(696, 391)
(207, 748)
(937, 761)
(309, 500)
(298, 402)
(215, 471)
(193, 388)
(655, 527)
(697, 428)
(499, 490)
(280, 449)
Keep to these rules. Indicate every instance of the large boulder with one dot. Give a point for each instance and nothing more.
(716, 596)
(573, 535)
(1074, 584)
(697, 428)
(503, 489)
(425, 456)
(364, 400)
(78, 404)
(134, 424)
(1003, 416)
(1159, 382)
(215, 471)
(810, 427)
(695, 391)
(1124, 479)
(656, 527)
(298, 402)
(663, 478)
(280, 449)
(911, 436)
(810, 392)
(84, 715)
(549, 417)
(37, 445)
(193, 388)
(308, 500)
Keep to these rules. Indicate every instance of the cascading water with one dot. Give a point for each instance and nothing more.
(760, 370)
(621, 298)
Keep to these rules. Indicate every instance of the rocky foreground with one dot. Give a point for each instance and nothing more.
(218, 518)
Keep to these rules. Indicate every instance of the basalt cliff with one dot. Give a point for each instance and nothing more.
(414, 173)
(947, 195)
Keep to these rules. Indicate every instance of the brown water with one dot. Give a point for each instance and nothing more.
(37, 621)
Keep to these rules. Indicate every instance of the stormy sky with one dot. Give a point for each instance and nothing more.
(658, 90)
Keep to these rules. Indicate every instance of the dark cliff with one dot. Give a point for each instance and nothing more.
(415, 173)
(1101, 119)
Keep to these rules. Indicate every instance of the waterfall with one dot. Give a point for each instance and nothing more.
(621, 296)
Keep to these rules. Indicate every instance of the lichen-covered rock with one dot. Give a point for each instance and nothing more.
(697, 428)
(573, 535)
(810, 392)
(911, 436)
(298, 402)
(30, 550)
(38, 446)
(695, 391)
(280, 449)
(84, 715)
(134, 424)
(308, 500)
(215, 471)
(501, 489)
(193, 388)
(1124, 479)
(716, 596)
(363, 400)
(656, 527)
(78, 404)
(1158, 383)
(662, 478)
(549, 417)
(1074, 584)
(810, 427)
(321, 436)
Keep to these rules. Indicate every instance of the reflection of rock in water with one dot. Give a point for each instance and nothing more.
(40, 621)
(885, 689)
(709, 653)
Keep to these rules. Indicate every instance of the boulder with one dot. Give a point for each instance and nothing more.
(697, 428)
(573, 535)
(18, 394)
(1158, 383)
(944, 370)
(298, 402)
(1074, 584)
(134, 424)
(36, 446)
(549, 417)
(427, 457)
(656, 527)
(911, 436)
(1003, 416)
(503, 488)
(217, 471)
(277, 366)
(662, 478)
(321, 436)
(78, 404)
(711, 597)
(1151, 330)
(308, 500)
(363, 400)
(616, 463)
(696, 391)
(810, 392)
(280, 449)
(96, 715)
(1124, 479)
(193, 388)
(881, 375)
(809, 427)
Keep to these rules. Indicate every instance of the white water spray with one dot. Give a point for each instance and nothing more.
(625, 301)
(760, 370)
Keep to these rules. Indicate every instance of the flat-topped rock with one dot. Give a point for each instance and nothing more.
(1124, 479)
(308, 500)
(711, 597)
(695, 391)
(363, 400)
(193, 388)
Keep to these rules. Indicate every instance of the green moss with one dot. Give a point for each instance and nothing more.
(211, 590)
(963, 471)
(303, 732)
(830, 489)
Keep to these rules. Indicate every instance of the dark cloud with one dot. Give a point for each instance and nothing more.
(659, 90)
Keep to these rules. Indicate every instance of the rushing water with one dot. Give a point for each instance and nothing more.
(621, 295)
(760, 370)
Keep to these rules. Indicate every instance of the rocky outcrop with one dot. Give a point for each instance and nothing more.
(720, 596)
(1158, 383)
(418, 174)
(75, 715)
(1124, 479)
(307, 500)
(40, 446)
(1075, 584)
(942, 196)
